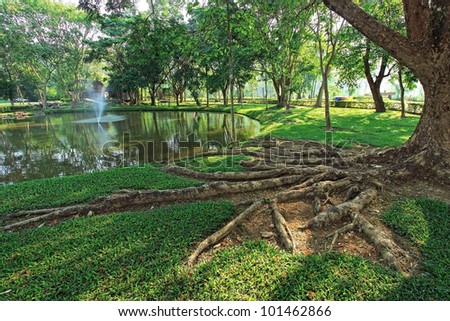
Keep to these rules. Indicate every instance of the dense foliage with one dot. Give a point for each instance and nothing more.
(55, 51)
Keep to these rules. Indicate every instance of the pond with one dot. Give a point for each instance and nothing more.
(66, 144)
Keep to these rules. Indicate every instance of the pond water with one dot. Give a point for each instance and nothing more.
(65, 144)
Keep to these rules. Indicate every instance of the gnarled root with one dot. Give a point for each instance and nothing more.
(123, 199)
(241, 176)
(338, 212)
(282, 227)
(383, 245)
(345, 229)
(223, 232)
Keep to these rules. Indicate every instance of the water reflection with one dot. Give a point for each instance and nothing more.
(60, 145)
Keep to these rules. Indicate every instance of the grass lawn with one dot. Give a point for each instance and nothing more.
(360, 126)
(215, 163)
(55, 192)
(139, 256)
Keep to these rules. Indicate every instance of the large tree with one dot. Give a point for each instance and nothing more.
(425, 50)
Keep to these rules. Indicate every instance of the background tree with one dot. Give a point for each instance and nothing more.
(376, 64)
(404, 80)
(280, 33)
(327, 28)
(361, 58)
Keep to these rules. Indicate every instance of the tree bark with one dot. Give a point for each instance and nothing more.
(225, 96)
(44, 95)
(327, 101)
(152, 92)
(433, 131)
(319, 96)
(231, 84)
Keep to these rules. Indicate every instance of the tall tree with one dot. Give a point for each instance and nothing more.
(361, 58)
(231, 66)
(327, 28)
(425, 50)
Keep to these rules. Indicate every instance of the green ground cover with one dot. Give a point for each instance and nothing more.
(61, 191)
(215, 163)
(351, 126)
(426, 224)
(139, 256)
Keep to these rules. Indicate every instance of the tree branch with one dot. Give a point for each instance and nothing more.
(405, 51)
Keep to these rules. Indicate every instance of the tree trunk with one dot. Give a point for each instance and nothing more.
(240, 95)
(231, 84)
(327, 101)
(152, 92)
(319, 96)
(19, 93)
(402, 90)
(433, 132)
(44, 96)
(375, 88)
(206, 86)
(225, 96)
(283, 98)
(265, 93)
(375, 85)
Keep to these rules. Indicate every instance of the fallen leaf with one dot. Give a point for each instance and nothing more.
(311, 294)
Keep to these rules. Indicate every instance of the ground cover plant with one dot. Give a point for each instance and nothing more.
(141, 256)
(215, 163)
(127, 256)
(54, 192)
(425, 223)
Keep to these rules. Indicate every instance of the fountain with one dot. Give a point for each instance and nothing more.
(97, 97)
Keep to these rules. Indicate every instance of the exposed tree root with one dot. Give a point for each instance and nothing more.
(125, 198)
(384, 246)
(282, 227)
(339, 212)
(241, 176)
(224, 231)
(345, 229)
(301, 168)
